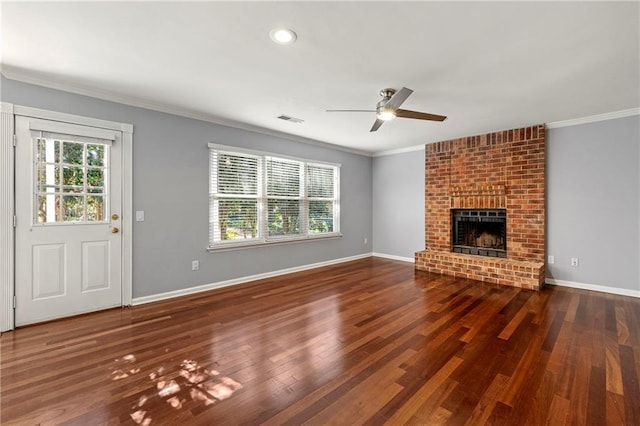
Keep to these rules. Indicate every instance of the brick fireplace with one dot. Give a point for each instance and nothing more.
(483, 178)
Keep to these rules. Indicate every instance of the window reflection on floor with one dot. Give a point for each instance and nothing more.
(192, 382)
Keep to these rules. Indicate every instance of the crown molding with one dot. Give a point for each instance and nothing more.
(37, 79)
(28, 77)
(399, 151)
(594, 118)
(553, 125)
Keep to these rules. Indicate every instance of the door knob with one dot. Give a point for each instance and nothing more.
(114, 230)
(115, 216)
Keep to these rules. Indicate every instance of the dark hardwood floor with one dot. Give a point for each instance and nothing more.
(365, 342)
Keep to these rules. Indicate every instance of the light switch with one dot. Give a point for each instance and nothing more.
(140, 216)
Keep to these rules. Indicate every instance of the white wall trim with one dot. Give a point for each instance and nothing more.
(594, 287)
(399, 150)
(106, 95)
(394, 257)
(7, 210)
(552, 125)
(127, 214)
(7, 279)
(23, 76)
(6, 107)
(594, 118)
(71, 118)
(242, 280)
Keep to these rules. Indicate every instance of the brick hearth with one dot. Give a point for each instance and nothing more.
(497, 170)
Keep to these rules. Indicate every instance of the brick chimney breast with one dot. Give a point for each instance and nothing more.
(503, 170)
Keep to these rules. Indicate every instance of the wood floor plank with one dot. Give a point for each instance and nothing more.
(516, 320)
(418, 398)
(579, 391)
(554, 331)
(596, 406)
(358, 404)
(630, 385)
(621, 326)
(558, 412)
(485, 406)
(613, 369)
(541, 402)
(615, 409)
(367, 342)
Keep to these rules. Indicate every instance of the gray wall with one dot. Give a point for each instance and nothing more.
(593, 198)
(398, 203)
(593, 202)
(170, 183)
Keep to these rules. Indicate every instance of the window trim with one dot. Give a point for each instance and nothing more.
(263, 239)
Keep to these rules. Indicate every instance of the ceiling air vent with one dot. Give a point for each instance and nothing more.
(290, 119)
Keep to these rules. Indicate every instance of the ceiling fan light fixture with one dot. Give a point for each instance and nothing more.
(283, 36)
(386, 115)
(388, 108)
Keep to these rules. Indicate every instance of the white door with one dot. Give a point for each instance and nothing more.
(68, 208)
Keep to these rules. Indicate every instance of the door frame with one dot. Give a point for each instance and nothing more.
(8, 112)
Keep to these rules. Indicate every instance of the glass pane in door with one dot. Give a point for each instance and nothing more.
(70, 181)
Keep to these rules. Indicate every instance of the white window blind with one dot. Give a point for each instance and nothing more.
(258, 198)
(284, 197)
(235, 189)
(321, 193)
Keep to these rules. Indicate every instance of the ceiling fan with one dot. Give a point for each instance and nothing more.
(388, 108)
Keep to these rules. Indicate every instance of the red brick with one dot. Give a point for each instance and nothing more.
(457, 173)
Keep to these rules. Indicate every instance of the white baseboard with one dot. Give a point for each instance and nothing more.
(594, 287)
(393, 257)
(242, 280)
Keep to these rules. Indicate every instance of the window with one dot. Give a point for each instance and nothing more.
(70, 179)
(257, 198)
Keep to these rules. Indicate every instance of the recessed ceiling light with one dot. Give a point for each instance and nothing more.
(282, 35)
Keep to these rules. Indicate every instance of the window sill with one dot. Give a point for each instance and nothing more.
(253, 244)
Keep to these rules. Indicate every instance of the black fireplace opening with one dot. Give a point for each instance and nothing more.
(482, 232)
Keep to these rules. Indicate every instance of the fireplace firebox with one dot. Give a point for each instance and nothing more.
(482, 232)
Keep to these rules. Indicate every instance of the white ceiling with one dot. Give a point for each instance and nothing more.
(487, 66)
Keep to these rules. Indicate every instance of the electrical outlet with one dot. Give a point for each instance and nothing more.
(574, 262)
(551, 260)
(366, 240)
(195, 265)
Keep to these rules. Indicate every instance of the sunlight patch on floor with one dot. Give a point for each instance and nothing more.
(192, 382)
